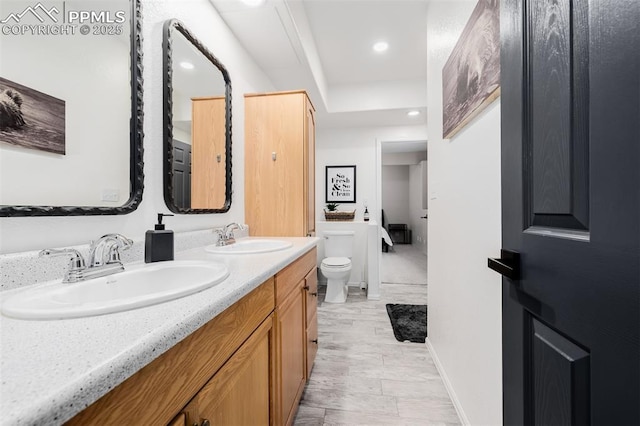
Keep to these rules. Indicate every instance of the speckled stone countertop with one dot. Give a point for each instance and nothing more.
(52, 370)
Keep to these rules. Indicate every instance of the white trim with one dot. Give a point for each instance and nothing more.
(447, 384)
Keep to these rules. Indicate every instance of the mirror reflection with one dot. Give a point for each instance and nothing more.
(198, 137)
(70, 108)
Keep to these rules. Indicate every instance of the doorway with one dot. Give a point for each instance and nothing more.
(402, 188)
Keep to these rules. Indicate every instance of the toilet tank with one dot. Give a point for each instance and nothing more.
(338, 243)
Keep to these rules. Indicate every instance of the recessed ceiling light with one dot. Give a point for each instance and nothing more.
(253, 3)
(186, 65)
(381, 46)
(413, 113)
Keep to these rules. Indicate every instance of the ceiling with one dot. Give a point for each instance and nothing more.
(326, 48)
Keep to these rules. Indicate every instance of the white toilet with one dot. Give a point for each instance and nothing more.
(336, 266)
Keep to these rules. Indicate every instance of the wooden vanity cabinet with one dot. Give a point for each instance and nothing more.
(225, 352)
(247, 366)
(280, 164)
(293, 358)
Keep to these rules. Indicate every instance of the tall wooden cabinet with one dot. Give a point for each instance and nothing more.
(280, 164)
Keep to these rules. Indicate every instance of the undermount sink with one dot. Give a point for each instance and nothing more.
(250, 246)
(136, 287)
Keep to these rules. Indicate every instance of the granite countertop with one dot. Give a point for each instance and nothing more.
(52, 370)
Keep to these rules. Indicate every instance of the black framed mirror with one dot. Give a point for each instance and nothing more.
(197, 125)
(71, 111)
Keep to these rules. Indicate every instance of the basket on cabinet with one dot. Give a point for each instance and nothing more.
(339, 216)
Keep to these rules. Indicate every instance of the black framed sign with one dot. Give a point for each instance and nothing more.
(340, 184)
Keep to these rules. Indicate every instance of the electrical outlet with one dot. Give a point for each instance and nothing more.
(112, 195)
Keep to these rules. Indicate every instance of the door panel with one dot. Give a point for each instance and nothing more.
(556, 115)
(560, 378)
(570, 76)
(182, 174)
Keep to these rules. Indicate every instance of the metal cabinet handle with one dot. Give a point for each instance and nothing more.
(314, 294)
(206, 422)
(306, 288)
(315, 341)
(508, 264)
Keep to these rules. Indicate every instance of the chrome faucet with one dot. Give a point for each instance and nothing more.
(225, 234)
(104, 258)
(105, 251)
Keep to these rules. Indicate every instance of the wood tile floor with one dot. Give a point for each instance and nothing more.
(364, 376)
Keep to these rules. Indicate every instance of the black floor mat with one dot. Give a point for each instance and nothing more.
(409, 322)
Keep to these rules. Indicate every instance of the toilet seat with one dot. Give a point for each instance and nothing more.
(336, 262)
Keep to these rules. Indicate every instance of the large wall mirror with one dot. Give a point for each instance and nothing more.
(70, 107)
(197, 138)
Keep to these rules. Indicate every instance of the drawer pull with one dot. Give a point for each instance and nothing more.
(206, 422)
(306, 288)
(315, 341)
(314, 294)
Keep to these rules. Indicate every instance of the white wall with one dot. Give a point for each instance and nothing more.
(346, 146)
(32, 233)
(395, 194)
(359, 146)
(464, 229)
(402, 158)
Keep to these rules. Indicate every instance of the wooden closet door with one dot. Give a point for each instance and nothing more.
(208, 171)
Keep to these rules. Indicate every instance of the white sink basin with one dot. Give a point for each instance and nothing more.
(138, 286)
(250, 246)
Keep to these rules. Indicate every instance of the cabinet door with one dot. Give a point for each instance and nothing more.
(311, 309)
(291, 328)
(311, 287)
(238, 394)
(310, 170)
(274, 157)
(180, 420)
(312, 343)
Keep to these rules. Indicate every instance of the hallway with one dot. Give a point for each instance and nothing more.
(362, 374)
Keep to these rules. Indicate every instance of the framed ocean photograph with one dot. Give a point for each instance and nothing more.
(31, 119)
(471, 76)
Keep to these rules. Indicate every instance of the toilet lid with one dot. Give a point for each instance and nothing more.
(336, 261)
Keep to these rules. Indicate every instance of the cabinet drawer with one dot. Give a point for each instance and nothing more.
(288, 279)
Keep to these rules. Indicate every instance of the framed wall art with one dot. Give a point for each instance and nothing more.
(31, 119)
(471, 76)
(340, 184)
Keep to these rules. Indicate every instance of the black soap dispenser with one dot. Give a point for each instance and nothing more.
(158, 244)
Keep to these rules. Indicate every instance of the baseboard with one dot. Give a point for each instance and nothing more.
(447, 384)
